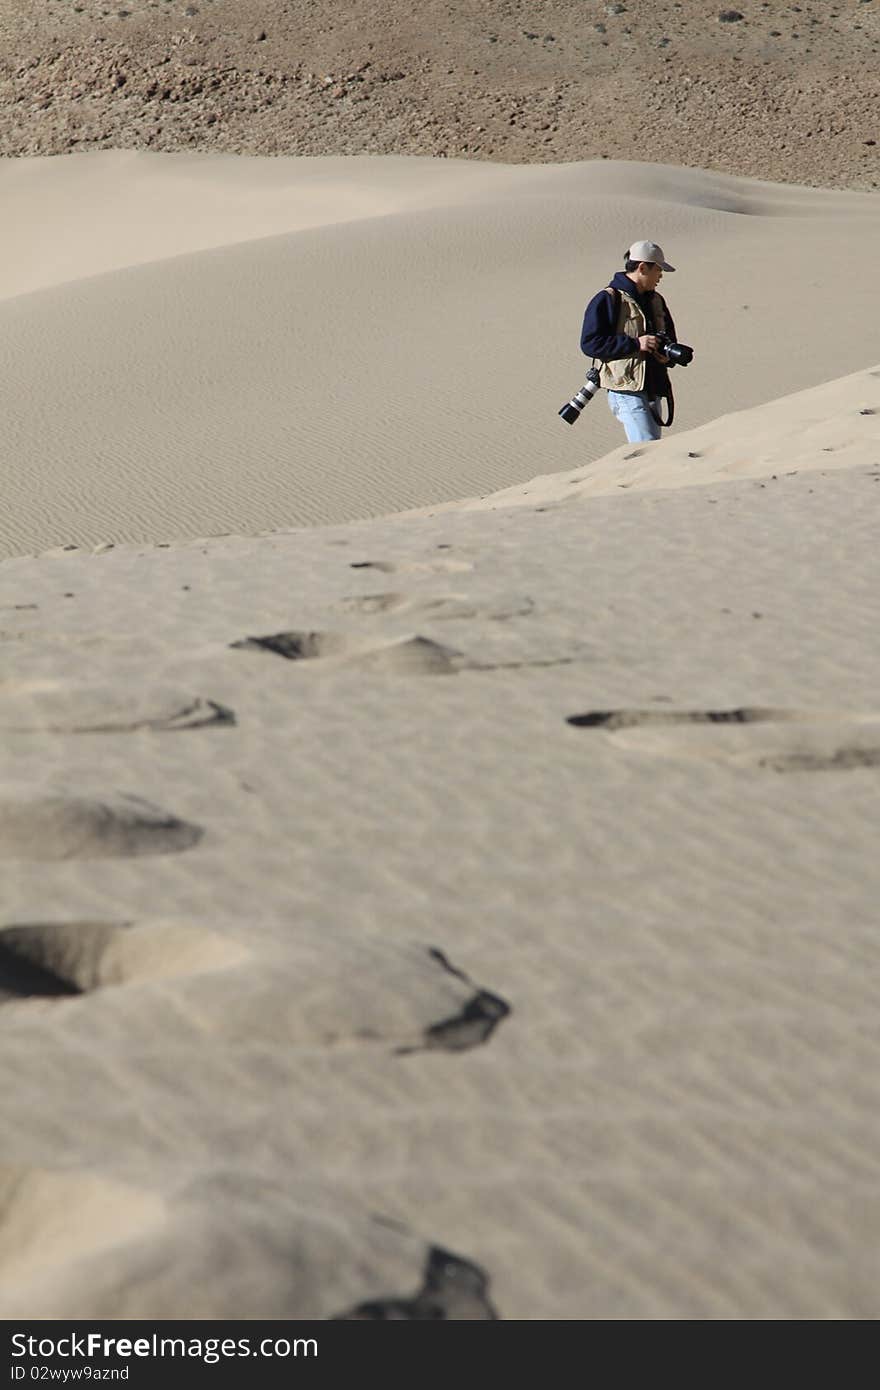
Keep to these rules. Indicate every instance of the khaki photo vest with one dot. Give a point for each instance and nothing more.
(628, 373)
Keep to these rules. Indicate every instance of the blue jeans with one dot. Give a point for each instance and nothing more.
(633, 410)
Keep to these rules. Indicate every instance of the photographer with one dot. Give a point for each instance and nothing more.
(621, 327)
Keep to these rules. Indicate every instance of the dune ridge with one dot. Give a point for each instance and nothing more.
(829, 427)
(414, 356)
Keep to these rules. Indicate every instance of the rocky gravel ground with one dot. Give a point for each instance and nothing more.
(776, 91)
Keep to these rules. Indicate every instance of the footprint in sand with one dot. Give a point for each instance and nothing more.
(20, 978)
(778, 740)
(639, 718)
(841, 759)
(56, 825)
(415, 566)
(60, 959)
(472, 1026)
(369, 604)
(449, 606)
(57, 707)
(452, 1287)
(348, 992)
(407, 656)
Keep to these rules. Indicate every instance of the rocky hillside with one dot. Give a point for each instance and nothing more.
(777, 91)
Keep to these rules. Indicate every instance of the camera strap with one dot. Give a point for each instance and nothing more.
(670, 409)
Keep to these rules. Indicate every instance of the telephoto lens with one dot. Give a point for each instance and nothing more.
(572, 409)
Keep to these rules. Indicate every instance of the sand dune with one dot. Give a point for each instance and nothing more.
(536, 991)
(122, 208)
(348, 350)
(828, 427)
(541, 990)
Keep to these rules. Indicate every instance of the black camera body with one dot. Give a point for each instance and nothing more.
(678, 353)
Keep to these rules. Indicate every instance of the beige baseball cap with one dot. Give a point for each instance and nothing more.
(648, 251)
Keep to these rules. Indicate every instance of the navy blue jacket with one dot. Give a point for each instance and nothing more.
(600, 340)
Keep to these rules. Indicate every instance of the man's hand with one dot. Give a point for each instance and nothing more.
(648, 343)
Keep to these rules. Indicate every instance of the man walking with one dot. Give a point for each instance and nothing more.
(620, 332)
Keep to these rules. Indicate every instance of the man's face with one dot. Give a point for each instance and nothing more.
(651, 274)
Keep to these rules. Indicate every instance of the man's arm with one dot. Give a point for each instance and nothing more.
(599, 337)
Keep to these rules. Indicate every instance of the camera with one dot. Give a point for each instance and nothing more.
(679, 353)
(572, 409)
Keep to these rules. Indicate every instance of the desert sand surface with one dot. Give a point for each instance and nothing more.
(500, 883)
(438, 870)
(323, 340)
